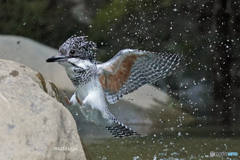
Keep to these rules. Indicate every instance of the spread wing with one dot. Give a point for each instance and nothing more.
(130, 69)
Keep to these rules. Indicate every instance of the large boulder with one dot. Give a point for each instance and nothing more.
(34, 125)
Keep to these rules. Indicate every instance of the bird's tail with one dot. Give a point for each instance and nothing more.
(120, 130)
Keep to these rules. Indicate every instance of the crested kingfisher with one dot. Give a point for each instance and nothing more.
(128, 70)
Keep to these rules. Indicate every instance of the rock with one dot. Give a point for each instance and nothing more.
(33, 124)
(145, 96)
(33, 55)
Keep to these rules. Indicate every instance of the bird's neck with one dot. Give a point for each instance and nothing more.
(81, 77)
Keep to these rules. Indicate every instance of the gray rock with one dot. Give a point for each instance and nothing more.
(33, 55)
(33, 124)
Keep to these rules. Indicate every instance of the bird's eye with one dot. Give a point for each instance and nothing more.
(72, 52)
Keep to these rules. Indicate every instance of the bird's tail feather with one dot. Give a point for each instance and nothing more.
(120, 130)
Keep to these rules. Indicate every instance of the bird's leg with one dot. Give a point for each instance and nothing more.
(74, 101)
(66, 98)
(79, 101)
(69, 103)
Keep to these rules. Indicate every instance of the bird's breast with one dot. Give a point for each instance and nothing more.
(85, 89)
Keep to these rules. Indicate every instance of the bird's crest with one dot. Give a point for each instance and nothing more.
(80, 45)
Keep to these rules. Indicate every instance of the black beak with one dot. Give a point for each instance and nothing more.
(57, 58)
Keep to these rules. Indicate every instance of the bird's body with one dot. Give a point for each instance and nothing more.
(124, 73)
(93, 104)
(91, 95)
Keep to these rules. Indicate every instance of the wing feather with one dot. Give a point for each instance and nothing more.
(130, 69)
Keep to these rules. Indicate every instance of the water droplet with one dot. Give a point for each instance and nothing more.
(179, 133)
(174, 154)
(203, 79)
(136, 158)
(155, 157)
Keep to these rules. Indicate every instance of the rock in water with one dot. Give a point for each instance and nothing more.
(33, 124)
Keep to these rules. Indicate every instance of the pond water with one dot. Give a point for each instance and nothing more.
(195, 143)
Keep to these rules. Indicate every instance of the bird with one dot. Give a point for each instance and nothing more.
(95, 84)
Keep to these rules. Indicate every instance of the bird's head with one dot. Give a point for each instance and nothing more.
(75, 47)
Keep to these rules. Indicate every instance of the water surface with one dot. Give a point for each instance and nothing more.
(193, 143)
